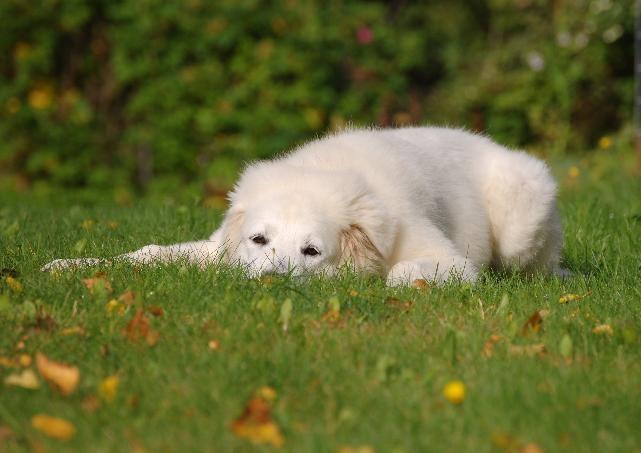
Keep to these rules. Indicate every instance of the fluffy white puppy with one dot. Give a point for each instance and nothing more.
(413, 203)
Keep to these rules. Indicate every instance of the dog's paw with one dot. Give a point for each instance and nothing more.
(64, 264)
(406, 272)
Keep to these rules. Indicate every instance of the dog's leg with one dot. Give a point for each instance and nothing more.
(427, 254)
(198, 252)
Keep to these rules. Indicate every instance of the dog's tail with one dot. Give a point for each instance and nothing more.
(520, 194)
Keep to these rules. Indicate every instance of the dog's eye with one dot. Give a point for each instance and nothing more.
(259, 239)
(310, 251)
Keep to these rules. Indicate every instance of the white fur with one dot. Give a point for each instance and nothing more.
(407, 203)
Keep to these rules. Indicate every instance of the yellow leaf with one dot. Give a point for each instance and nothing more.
(14, 284)
(26, 379)
(114, 307)
(454, 392)
(108, 388)
(564, 299)
(256, 425)
(76, 330)
(267, 393)
(24, 360)
(603, 329)
(63, 377)
(56, 428)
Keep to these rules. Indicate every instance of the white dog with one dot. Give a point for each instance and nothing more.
(414, 203)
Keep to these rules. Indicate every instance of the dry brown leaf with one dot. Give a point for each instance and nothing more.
(528, 349)
(531, 447)
(26, 379)
(404, 305)
(533, 325)
(140, 329)
(54, 427)
(155, 310)
(420, 284)
(98, 284)
(256, 425)
(128, 297)
(63, 377)
(488, 347)
(8, 363)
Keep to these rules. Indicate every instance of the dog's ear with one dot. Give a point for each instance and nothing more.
(368, 240)
(229, 232)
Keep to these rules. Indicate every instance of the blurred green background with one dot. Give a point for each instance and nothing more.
(128, 97)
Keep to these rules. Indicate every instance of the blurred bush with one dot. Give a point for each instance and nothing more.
(168, 93)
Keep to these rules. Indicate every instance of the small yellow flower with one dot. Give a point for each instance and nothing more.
(574, 172)
(108, 388)
(605, 142)
(40, 98)
(454, 392)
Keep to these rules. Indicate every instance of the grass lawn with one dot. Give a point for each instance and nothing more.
(354, 365)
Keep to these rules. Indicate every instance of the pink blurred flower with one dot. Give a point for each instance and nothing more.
(364, 35)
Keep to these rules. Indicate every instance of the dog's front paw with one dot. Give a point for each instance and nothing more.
(406, 272)
(64, 264)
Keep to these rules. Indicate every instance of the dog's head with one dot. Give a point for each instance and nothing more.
(286, 219)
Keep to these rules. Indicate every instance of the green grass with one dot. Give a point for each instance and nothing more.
(373, 378)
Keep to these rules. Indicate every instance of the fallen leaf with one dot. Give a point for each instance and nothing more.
(603, 329)
(404, 305)
(128, 297)
(13, 284)
(54, 427)
(572, 297)
(488, 347)
(63, 377)
(115, 307)
(454, 392)
(256, 425)
(531, 447)
(24, 360)
(528, 349)
(6, 433)
(26, 379)
(267, 393)
(358, 449)
(108, 388)
(7, 362)
(420, 284)
(139, 329)
(76, 330)
(533, 324)
(98, 285)
(155, 310)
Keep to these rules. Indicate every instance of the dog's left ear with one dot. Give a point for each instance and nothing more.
(368, 239)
